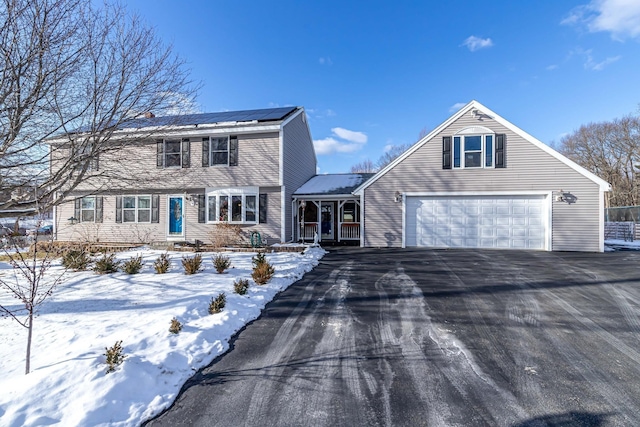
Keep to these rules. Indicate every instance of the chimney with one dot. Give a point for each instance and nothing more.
(149, 115)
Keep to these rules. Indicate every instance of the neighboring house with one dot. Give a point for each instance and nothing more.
(238, 167)
(478, 181)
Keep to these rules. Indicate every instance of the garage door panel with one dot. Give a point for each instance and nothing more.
(485, 222)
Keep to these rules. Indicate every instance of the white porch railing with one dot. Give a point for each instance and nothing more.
(350, 231)
(308, 231)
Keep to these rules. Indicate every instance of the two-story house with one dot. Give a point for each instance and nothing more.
(475, 181)
(238, 167)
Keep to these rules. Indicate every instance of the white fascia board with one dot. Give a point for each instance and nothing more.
(326, 197)
(604, 185)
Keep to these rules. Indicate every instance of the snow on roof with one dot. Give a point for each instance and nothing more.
(333, 184)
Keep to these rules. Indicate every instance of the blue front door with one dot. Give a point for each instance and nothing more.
(175, 216)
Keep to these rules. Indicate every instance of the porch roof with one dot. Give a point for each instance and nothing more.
(333, 184)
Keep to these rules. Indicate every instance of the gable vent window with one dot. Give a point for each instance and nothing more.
(473, 150)
(220, 151)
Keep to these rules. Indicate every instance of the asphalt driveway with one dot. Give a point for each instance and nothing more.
(435, 338)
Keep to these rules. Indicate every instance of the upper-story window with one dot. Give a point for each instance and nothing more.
(474, 147)
(220, 151)
(173, 153)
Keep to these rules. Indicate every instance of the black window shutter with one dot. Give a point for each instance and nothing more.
(186, 153)
(95, 162)
(155, 208)
(118, 209)
(99, 205)
(159, 153)
(233, 151)
(262, 213)
(205, 152)
(202, 209)
(501, 145)
(76, 210)
(446, 152)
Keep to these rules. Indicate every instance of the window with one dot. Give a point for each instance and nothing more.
(234, 205)
(85, 158)
(473, 150)
(136, 209)
(220, 151)
(173, 153)
(88, 209)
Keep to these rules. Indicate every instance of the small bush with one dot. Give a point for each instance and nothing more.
(133, 265)
(176, 326)
(221, 263)
(107, 264)
(241, 286)
(76, 259)
(225, 235)
(262, 273)
(162, 264)
(217, 304)
(192, 265)
(258, 259)
(114, 356)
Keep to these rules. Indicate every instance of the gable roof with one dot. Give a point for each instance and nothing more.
(231, 117)
(332, 184)
(604, 185)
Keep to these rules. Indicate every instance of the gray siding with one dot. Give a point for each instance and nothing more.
(299, 163)
(575, 226)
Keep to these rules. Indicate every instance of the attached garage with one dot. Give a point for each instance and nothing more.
(478, 221)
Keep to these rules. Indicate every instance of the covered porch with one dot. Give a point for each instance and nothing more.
(325, 210)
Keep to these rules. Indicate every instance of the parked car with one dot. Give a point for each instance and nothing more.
(44, 230)
(8, 229)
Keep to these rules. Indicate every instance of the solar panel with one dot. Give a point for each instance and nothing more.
(262, 115)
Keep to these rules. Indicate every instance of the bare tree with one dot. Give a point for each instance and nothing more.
(30, 287)
(71, 74)
(366, 166)
(391, 154)
(610, 150)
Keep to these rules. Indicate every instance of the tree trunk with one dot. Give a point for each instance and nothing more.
(28, 357)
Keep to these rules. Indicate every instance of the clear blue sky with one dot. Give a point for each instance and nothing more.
(373, 74)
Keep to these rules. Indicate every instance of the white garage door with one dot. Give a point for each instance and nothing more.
(516, 222)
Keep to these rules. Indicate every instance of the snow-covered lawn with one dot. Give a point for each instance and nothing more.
(68, 385)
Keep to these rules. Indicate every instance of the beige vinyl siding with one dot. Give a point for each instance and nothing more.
(135, 167)
(299, 163)
(575, 226)
(110, 231)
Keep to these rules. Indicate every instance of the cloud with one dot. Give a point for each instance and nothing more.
(599, 66)
(350, 135)
(552, 67)
(325, 61)
(474, 43)
(590, 63)
(621, 18)
(342, 141)
(457, 106)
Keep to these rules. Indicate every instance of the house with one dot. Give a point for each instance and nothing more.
(478, 181)
(196, 171)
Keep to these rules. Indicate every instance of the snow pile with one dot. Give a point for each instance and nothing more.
(68, 385)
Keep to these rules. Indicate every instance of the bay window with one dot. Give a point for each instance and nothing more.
(234, 205)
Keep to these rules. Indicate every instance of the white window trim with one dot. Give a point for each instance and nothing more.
(164, 152)
(230, 192)
(483, 160)
(228, 138)
(95, 205)
(137, 209)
